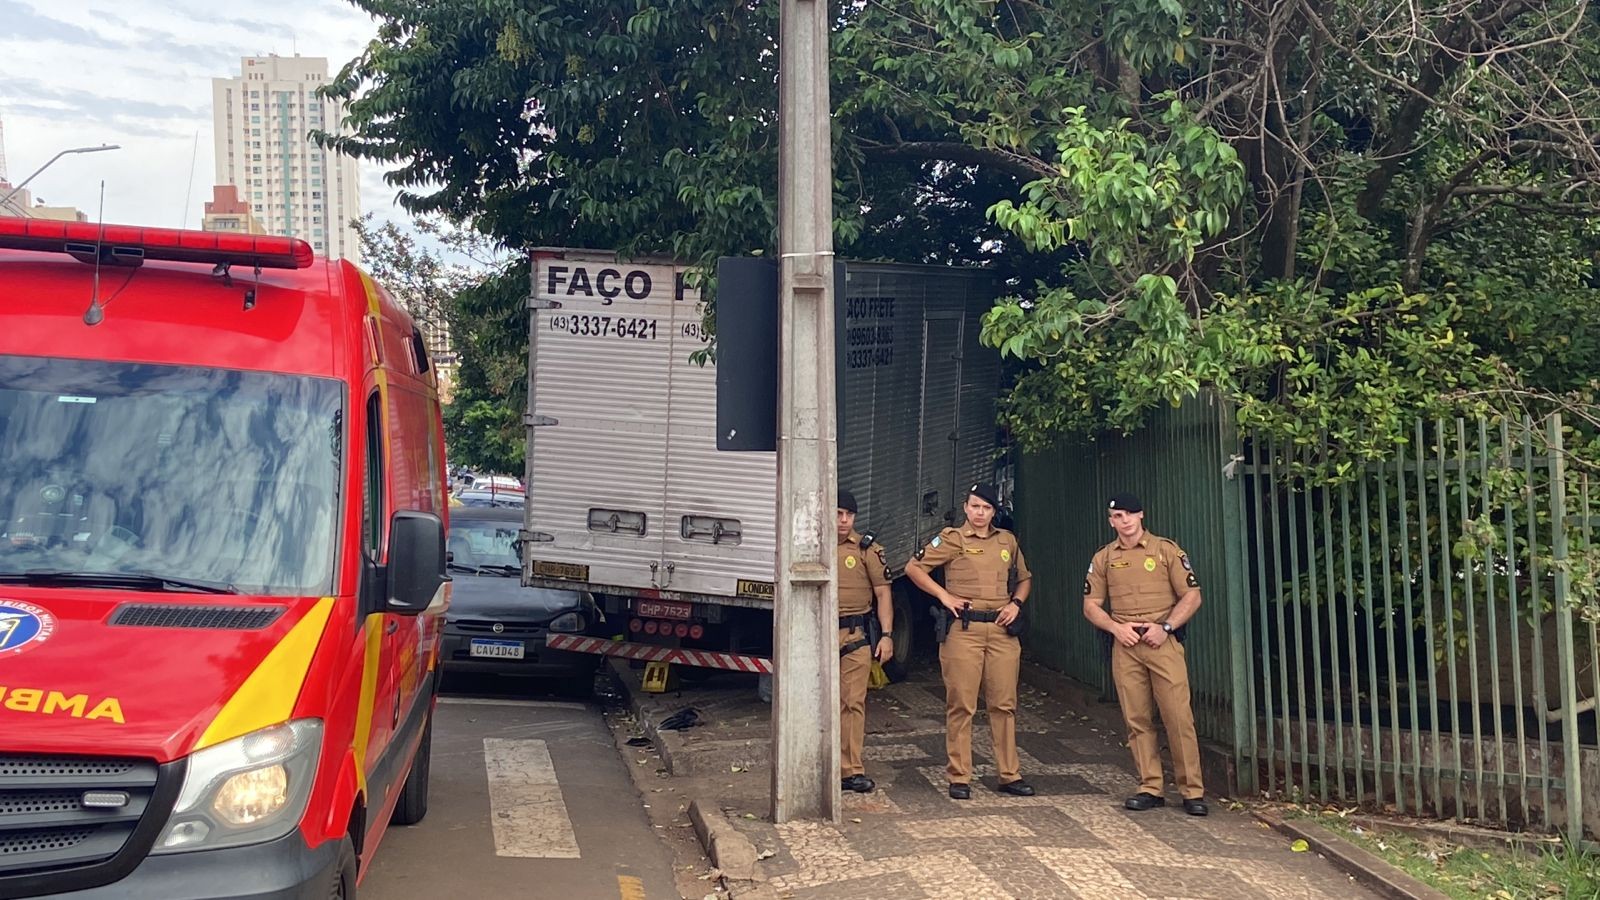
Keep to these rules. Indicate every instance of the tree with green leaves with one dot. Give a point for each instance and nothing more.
(1337, 213)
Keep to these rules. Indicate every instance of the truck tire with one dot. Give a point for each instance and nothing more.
(413, 803)
(904, 636)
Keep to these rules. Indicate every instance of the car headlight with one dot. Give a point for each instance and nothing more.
(568, 622)
(248, 790)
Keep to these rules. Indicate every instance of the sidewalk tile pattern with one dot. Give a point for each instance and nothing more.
(1073, 841)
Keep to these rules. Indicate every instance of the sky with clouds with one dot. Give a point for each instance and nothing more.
(138, 73)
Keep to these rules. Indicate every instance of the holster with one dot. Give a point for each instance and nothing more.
(865, 623)
(874, 630)
(1020, 623)
(941, 622)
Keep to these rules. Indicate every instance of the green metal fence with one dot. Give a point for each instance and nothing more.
(1412, 643)
(1176, 466)
(1403, 640)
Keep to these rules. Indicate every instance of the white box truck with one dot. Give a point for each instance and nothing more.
(629, 498)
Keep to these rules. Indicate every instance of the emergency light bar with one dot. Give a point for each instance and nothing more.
(132, 245)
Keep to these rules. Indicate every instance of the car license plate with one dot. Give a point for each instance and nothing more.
(665, 609)
(483, 647)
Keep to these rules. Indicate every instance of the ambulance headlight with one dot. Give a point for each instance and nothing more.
(248, 790)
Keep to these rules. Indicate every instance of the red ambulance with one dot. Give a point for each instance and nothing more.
(222, 565)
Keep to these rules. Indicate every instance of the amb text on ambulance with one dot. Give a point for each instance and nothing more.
(222, 565)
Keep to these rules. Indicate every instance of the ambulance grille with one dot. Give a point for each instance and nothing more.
(52, 841)
(169, 615)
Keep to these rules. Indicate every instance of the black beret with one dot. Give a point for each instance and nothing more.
(847, 500)
(988, 493)
(1126, 503)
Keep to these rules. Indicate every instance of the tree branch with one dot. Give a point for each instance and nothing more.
(954, 151)
(1464, 36)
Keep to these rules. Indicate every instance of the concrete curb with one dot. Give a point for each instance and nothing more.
(1366, 868)
(1465, 835)
(667, 743)
(729, 850)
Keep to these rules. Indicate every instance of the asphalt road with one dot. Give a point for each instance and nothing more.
(529, 797)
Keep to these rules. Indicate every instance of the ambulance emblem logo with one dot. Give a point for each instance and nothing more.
(23, 626)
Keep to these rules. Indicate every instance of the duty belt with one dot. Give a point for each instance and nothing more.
(979, 615)
(860, 621)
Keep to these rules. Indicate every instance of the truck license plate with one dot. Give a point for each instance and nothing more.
(564, 571)
(665, 609)
(484, 647)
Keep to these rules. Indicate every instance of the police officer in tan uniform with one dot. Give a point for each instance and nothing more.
(863, 579)
(1152, 592)
(981, 564)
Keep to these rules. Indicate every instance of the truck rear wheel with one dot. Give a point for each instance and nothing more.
(904, 635)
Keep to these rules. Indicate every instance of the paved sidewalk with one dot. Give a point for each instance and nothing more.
(909, 840)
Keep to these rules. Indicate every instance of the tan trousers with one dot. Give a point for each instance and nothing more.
(982, 655)
(1149, 678)
(853, 670)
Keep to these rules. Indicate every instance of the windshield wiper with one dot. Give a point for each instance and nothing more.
(139, 581)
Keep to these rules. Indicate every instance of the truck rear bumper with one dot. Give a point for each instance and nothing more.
(709, 659)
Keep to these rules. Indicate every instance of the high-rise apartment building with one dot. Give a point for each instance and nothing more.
(292, 186)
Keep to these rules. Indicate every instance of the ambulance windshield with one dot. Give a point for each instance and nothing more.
(206, 475)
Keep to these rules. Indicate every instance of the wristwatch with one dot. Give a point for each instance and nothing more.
(1167, 627)
(1017, 602)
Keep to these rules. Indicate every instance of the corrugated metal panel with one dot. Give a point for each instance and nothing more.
(1174, 465)
(710, 485)
(607, 393)
(614, 445)
(941, 402)
(882, 383)
(980, 380)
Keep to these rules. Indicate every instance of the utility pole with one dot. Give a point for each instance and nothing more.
(805, 733)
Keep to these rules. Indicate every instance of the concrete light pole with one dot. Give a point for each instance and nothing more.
(805, 733)
(14, 191)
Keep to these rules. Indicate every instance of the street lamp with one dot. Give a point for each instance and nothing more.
(18, 188)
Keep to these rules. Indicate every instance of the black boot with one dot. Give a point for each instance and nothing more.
(1142, 801)
(960, 791)
(861, 784)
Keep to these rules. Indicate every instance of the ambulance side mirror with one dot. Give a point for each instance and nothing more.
(417, 556)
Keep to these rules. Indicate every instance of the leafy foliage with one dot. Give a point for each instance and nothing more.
(1337, 217)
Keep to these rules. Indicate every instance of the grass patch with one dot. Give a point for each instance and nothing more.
(1466, 873)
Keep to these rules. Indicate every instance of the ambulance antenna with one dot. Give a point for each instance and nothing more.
(95, 313)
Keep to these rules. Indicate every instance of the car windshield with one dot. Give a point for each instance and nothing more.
(209, 476)
(478, 544)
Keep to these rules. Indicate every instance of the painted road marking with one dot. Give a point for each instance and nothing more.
(630, 887)
(529, 815)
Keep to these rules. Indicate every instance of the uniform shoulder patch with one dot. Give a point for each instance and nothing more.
(1183, 559)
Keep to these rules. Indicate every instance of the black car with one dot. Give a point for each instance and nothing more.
(497, 626)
